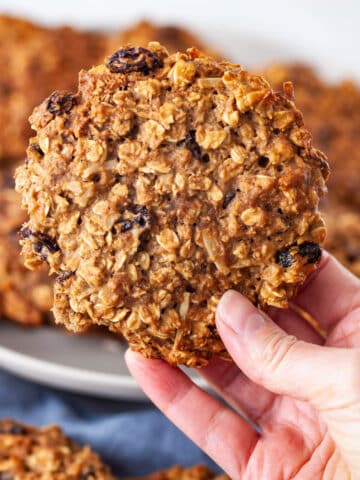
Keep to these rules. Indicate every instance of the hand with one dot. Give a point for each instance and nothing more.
(301, 390)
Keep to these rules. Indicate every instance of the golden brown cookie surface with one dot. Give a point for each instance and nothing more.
(332, 113)
(163, 182)
(31, 453)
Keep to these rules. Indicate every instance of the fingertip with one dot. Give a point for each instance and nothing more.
(238, 314)
(138, 364)
(133, 358)
(231, 299)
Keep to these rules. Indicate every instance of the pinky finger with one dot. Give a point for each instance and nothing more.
(215, 428)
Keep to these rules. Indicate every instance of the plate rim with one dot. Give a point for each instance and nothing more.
(74, 379)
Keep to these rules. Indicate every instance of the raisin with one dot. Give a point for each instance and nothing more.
(64, 276)
(35, 147)
(133, 59)
(143, 215)
(310, 250)
(59, 104)
(190, 289)
(96, 177)
(44, 241)
(140, 209)
(126, 225)
(284, 258)
(191, 144)
(228, 198)
(25, 232)
(263, 162)
(140, 220)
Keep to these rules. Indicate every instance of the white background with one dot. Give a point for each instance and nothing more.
(325, 33)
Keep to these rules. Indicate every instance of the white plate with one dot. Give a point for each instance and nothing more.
(90, 364)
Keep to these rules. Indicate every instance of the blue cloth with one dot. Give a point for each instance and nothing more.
(133, 438)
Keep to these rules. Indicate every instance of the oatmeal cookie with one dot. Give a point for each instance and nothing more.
(34, 61)
(343, 234)
(332, 113)
(173, 37)
(31, 453)
(163, 182)
(198, 472)
(25, 296)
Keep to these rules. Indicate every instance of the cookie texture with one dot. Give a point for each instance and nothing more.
(30, 453)
(34, 61)
(332, 113)
(25, 296)
(163, 182)
(198, 472)
(173, 37)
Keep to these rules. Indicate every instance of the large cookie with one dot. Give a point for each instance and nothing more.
(29, 453)
(163, 182)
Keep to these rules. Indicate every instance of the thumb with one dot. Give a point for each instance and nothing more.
(282, 363)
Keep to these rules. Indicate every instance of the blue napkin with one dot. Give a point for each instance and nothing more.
(133, 438)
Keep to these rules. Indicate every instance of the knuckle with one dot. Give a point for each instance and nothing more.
(276, 355)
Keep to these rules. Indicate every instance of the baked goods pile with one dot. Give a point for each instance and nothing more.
(34, 453)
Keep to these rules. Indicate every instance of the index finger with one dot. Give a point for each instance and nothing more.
(330, 293)
(214, 427)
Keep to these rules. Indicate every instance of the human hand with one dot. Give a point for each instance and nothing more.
(301, 390)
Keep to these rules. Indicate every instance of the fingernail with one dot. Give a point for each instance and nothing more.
(239, 314)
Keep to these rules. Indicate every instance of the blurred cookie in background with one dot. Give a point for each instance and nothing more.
(343, 234)
(173, 37)
(34, 61)
(45, 453)
(25, 295)
(332, 113)
(197, 472)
